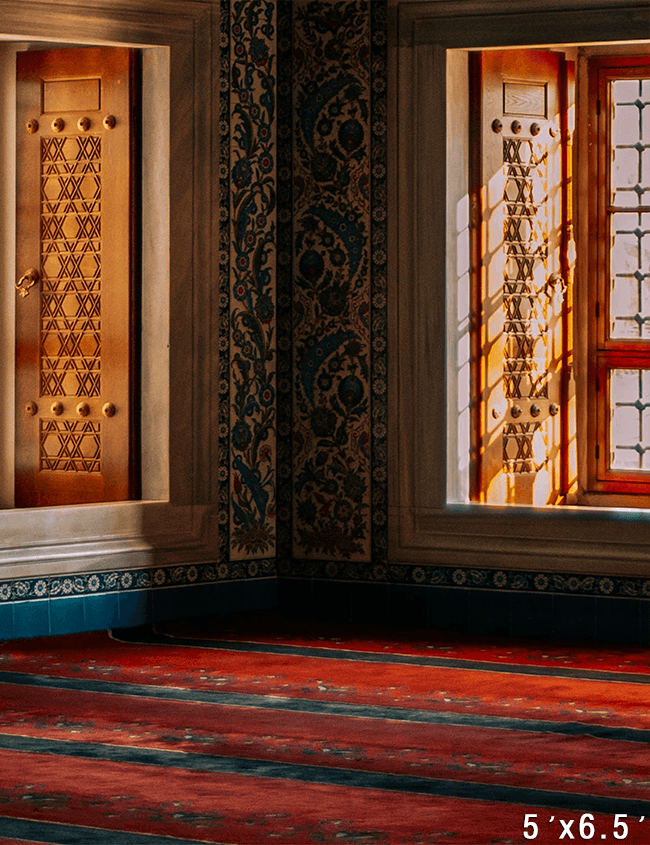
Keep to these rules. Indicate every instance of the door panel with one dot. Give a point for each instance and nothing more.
(74, 300)
(521, 289)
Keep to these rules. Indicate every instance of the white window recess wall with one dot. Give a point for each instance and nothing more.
(433, 517)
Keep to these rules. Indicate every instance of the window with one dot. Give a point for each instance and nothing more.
(532, 445)
(434, 519)
(619, 259)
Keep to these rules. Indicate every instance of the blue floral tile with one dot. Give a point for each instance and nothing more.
(252, 246)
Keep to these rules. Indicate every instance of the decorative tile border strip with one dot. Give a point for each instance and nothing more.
(378, 287)
(488, 579)
(284, 278)
(253, 233)
(223, 469)
(60, 586)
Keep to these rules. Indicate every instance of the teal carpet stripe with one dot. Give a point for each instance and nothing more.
(55, 833)
(329, 708)
(146, 636)
(349, 778)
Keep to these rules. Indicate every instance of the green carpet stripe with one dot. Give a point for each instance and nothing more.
(330, 776)
(330, 708)
(145, 636)
(70, 834)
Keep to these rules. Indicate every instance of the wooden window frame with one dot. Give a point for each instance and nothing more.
(606, 353)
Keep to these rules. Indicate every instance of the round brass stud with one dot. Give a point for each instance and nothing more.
(516, 411)
(516, 127)
(535, 129)
(83, 409)
(109, 122)
(56, 408)
(109, 410)
(83, 124)
(32, 125)
(31, 408)
(535, 410)
(58, 124)
(497, 126)
(553, 409)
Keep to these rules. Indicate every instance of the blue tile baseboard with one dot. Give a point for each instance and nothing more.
(70, 614)
(471, 601)
(470, 610)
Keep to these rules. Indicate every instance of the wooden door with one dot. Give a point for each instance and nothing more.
(74, 283)
(519, 165)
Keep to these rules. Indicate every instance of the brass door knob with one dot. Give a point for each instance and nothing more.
(27, 281)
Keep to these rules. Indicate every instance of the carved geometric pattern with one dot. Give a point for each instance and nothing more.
(70, 445)
(518, 447)
(525, 246)
(70, 339)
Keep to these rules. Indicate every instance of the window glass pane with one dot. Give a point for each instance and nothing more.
(630, 275)
(629, 396)
(630, 180)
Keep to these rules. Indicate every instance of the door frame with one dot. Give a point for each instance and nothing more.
(179, 240)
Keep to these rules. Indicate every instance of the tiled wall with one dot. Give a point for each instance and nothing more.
(303, 402)
(476, 601)
(248, 272)
(303, 294)
(336, 267)
(109, 600)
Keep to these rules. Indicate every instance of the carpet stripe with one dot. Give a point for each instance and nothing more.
(70, 834)
(334, 708)
(148, 637)
(349, 778)
(542, 761)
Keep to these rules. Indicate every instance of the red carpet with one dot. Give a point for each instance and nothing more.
(258, 730)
